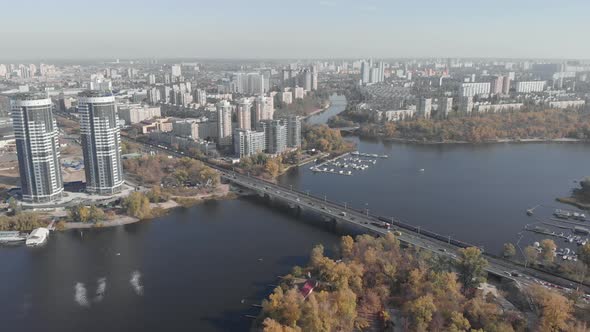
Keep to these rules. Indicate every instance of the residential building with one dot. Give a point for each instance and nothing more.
(530, 86)
(424, 109)
(293, 124)
(186, 128)
(224, 128)
(475, 89)
(37, 148)
(244, 114)
(101, 142)
(466, 105)
(275, 132)
(248, 142)
(133, 114)
(445, 106)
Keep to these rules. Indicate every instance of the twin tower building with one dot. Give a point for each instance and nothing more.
(37, 144)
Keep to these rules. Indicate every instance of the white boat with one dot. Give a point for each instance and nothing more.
(421, 169)
(37, 237)
(11, 237)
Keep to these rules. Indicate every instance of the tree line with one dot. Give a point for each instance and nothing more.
(372, 277)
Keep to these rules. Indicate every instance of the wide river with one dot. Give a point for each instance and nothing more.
(202, 268)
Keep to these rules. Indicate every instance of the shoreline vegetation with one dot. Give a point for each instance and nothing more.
(580, 197)
(376, 284)
(513, 127)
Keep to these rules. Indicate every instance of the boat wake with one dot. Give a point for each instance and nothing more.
(80, 295)
(100, 289)
(136, 282)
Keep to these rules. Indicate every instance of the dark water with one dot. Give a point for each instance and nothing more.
(195, 266)
(337, 105)
(477, 193)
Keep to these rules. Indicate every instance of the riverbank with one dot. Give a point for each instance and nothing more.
(318, 111)
(496, 141)
(222, 192)
(574, 202)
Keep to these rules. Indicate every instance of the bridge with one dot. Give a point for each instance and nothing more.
(338, 213)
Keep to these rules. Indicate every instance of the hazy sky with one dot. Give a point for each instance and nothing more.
(294, 28)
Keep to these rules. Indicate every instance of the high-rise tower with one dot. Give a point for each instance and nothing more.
(37, 146)
(101, 142)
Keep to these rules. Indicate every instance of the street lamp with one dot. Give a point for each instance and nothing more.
(367, 209)
(418, 229)
(344, 205)
(526, 260)
(325, 198)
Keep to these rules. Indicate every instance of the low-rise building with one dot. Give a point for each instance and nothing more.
(133, 114)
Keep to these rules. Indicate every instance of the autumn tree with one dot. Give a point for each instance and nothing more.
(137, 205)
(509, 250)
(531, 254)
(548, 251)
(420, 312)
(584, 254)
(556, 310)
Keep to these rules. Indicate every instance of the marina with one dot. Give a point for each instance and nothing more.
(348, 163)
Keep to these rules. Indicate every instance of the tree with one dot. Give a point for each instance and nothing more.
(272, 167)
(95, 214)
(531, 254)
(13, 205)
(346, 246)
(509, 250)
(584, 254)
(556, 310)
(471, 267)
(137, 205)
(548, 251)
(420, 312)
(271, 325)
(458, 322)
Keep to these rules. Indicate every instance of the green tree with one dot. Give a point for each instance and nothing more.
(471, 267)
(509, 250)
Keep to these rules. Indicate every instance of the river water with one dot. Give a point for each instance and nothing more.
(201, 269)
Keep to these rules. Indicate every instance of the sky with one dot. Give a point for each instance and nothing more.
(294, 29)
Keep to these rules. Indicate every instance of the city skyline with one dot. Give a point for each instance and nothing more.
(324, 29)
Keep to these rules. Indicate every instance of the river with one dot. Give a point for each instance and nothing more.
(201, 269)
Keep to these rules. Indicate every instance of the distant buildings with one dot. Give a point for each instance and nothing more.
(188, 128)
(133, 114)
(530, 86)
(424, 108)
(176, 70)
(466, 105)
(445, 106)
(475, 89)
(101, 142)
(244, 114)
(37, 147)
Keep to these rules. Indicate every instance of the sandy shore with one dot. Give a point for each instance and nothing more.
(220, 193)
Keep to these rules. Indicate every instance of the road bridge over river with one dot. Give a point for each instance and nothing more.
(373, 224)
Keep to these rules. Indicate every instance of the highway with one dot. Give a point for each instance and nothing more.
(368, 223)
